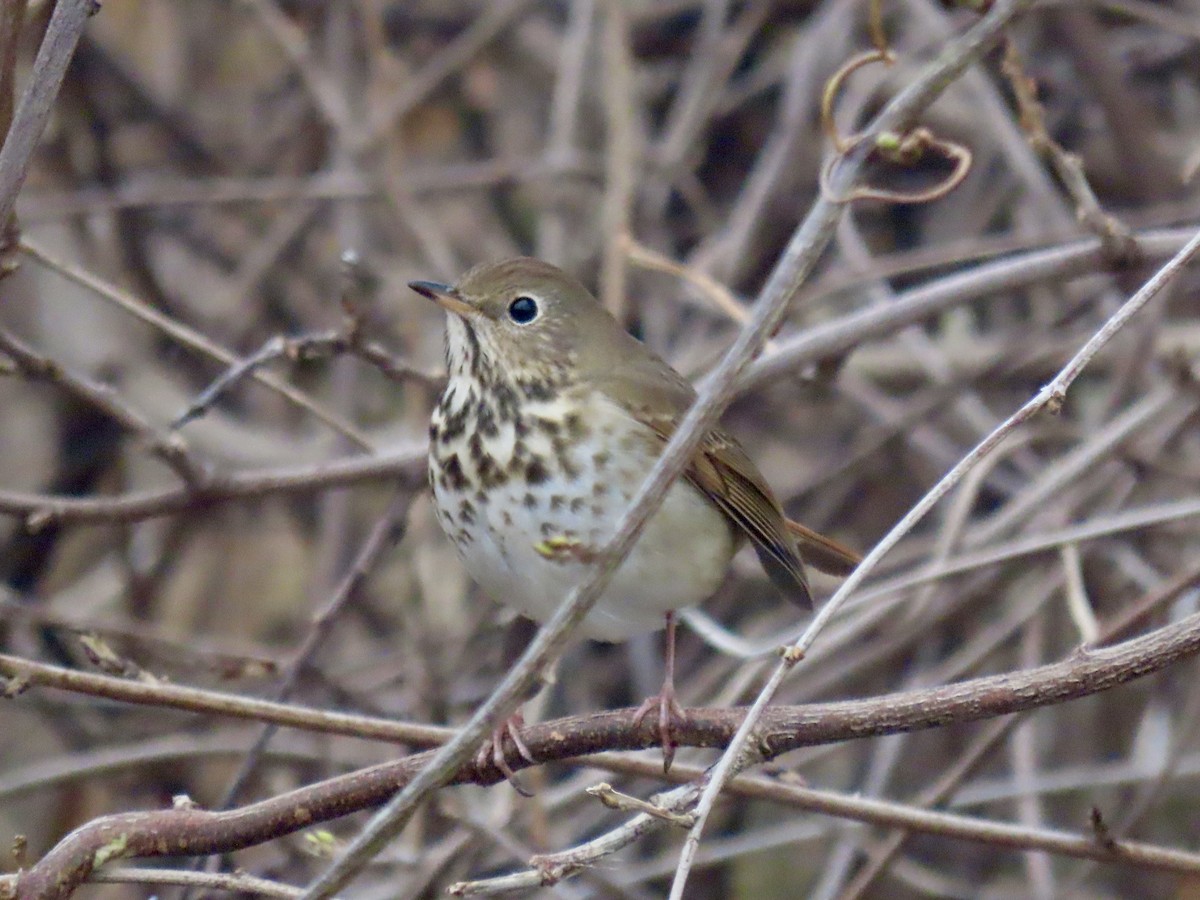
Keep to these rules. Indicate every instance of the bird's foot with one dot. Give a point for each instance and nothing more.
(670, 715)
(492, 751)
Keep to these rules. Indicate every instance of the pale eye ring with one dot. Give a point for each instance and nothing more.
(523, 310)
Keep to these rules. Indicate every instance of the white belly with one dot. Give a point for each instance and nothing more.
(679, 560)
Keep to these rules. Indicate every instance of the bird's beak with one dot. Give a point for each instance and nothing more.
(444, 296)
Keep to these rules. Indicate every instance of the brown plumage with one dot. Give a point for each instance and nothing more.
(551, 418)
(581, 338)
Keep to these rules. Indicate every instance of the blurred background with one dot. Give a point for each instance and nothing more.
(211, 161)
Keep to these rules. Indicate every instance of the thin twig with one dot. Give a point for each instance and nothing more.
(835, 338)
(194, 831)
(384, 536)
(172, 449)
(1078, 605)
(1050, 398)
(190, 338)
(165, 695)
(1114, 234)
(621, 156)
(614, 799)
(305, 347)
(549, 868)
(288, 36)
(49, 67)
(233, 882)
(493, 19)
(565, 107)
(41, 510)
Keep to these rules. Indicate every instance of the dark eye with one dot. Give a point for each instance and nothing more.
(523, 310)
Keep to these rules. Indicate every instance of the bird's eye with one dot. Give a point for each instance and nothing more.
(523, 310)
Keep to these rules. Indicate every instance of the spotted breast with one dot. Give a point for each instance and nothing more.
(530, 479)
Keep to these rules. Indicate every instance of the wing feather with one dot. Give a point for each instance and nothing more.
(721, 471)
(658, 396)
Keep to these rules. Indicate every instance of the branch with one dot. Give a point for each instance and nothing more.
(193, 832)
(547, 869)
(795, 264)
(188, 337)
(895, 118)
(236, 882)
(1050, 398)
(58, 46)
(386, 533)
(821, 342)
(172, 449)
(39, 510)
(829, 340)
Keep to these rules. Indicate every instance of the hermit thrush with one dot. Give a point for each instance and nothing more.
(550, 420)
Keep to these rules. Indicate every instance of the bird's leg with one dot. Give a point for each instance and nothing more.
(493, 751)
(516, 638)
(670, 712)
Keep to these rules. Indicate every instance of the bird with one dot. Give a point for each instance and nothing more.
(550, 419)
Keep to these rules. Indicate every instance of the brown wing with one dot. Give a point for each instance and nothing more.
(822, 553)
(726, 475)
(658, 396)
